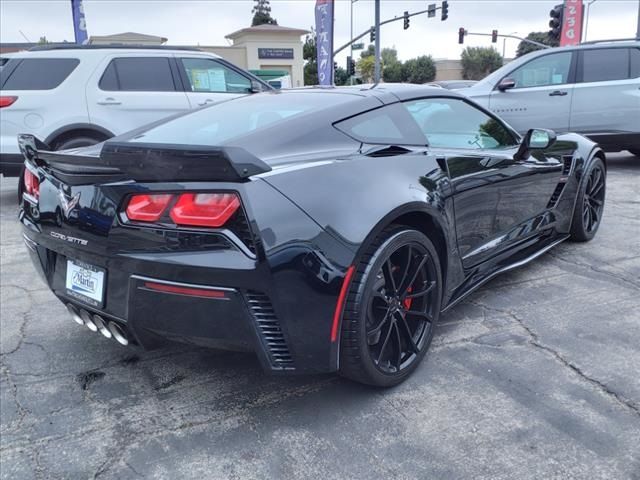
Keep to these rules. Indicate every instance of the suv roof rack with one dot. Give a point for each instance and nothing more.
(612, 40)
(74, 46)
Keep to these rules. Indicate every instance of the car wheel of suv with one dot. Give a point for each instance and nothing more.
(77, 142)
(391, 309)
(590, 203)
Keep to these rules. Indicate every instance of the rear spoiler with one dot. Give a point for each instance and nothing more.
(148, 162)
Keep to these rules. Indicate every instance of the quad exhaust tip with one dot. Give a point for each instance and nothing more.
(118, 333)
(96, 323)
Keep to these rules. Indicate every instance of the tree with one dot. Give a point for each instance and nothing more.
(341, 77)
(262, 14)
(366, 67)
(369, 52)
(393, 73)
(419, 70)
(478, 62)
(541, 37)
(43, 41)
(309, 54)
(389, 56)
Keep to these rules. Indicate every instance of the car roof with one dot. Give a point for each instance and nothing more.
(63, 50)
(385, 92)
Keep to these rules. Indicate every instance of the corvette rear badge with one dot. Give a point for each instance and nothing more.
(67, 202)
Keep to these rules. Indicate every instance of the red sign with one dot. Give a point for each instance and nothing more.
(572, 23)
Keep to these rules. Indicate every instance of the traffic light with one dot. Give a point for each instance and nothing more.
(335, 66)
(351, 66)
(555, 24)
(494, 36)
(445, 11)
(431, 10)
(372, 35)
(461, 33)
(406, 20)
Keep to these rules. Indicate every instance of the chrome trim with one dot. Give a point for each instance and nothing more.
(503, 270)
(31, 245)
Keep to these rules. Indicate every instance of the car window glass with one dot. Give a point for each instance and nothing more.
(389, 125)
(604, 64)
(38, 73)
(139, 74)
(634, 62)
(546, 70)
(207, 75)
(109, 80)
(221, 122)
(453, 123)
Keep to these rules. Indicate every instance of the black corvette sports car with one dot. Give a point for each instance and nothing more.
(323, 229)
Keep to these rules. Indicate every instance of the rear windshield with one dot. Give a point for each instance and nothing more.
(219, 123)
(36, 73)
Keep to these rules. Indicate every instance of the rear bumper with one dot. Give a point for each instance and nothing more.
(278, 302)
(11, 164)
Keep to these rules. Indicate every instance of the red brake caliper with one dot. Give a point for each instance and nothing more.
(408, 301)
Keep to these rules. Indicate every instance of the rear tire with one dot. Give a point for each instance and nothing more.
(392, 308)
(77, 142)
(587, 215)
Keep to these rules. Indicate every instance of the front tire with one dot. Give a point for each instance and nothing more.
(587, 215)
(392, 308)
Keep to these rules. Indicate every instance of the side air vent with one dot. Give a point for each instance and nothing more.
(269, 329)
(390, 151)
(556, 195)
(567, 160)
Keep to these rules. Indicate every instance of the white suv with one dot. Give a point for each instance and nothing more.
(75, 96)
(592, 89)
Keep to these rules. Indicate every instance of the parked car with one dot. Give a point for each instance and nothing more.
(453, 84)
(72, 96)
(323, 229)
(592, 89)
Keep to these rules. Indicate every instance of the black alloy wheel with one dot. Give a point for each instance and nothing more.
(590, 203)
(395, 303)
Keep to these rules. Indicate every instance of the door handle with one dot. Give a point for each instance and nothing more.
(208, 101)
(109, 101)
(558, 93)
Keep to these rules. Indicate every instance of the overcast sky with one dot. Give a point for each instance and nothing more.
(206, 22)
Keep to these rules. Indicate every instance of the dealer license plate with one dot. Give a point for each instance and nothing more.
(85, 282)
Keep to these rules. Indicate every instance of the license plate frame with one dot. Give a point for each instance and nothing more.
(85, 282)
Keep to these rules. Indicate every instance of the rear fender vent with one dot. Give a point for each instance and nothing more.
(556, 195)
(389, 151)
(238, 224)
(269, 329)
(567, 161)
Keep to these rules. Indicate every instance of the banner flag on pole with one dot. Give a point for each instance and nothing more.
(324, 41)
(79, 22)
(571, 23)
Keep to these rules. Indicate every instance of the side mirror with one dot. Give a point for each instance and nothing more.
(256, 87)
(535, 139)
(506, 84)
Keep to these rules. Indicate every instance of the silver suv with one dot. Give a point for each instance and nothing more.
(592, 89)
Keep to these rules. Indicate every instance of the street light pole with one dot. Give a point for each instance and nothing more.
(351, 36)
(638, 31)
(586, 19)
(377, 27)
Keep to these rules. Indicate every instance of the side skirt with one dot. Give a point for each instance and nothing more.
(517, 264)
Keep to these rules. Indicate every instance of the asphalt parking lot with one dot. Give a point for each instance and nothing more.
(536, 375)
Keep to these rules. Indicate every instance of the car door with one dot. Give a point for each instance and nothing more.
(606, 98)
(499, 201)
(129, 91)
(541, 96)
(209, 80)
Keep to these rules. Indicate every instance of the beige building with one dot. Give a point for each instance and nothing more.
(270, 47)
(127, 38)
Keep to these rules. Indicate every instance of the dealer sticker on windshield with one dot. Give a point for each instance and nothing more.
(85, 282)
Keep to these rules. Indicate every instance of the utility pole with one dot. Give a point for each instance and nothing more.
(638, 30)
(377, 27)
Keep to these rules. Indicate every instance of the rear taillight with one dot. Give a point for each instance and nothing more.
(211, 210)
(7, 101)
(31, 184)
(148, 208)
(204, 209)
